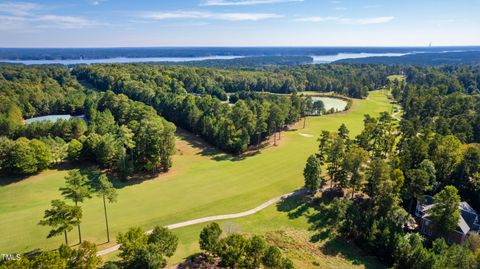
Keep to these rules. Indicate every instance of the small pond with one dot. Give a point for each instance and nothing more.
(53, 118)
(331, 102)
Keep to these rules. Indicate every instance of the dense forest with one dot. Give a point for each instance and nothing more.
(445, 100)
(116, 136)
(352, 81)
(373, 189)
(387, 170)
(191, 97)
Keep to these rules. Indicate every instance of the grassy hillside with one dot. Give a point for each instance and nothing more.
(202, 183)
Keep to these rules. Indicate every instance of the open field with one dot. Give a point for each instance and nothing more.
(203, 182)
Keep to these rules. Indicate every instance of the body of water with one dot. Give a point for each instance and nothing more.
(121, 60)
(319, 59)
(330, 102)
(323, 59)
(320, 55)
(53, 118)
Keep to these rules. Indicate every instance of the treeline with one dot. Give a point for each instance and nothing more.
(385, 180)
(72, 128)
(350, 80)
(246, 62)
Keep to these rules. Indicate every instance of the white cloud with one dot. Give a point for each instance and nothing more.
(64, 22)
(244, 2)
(351, 21)
(209, 15)
(11, 23)
(374, 20)
(318, 19)
(27, 16)
(18, 9)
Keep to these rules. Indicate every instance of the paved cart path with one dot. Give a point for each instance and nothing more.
(213, 218)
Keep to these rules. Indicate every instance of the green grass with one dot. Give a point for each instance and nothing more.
(202, 183)
(400, 78)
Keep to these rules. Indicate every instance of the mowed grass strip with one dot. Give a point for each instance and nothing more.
(202, 183)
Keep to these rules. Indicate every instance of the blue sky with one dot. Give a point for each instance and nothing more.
(117, 23)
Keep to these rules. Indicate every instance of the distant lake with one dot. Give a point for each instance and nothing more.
(330, 102)
(121, 60)
(53, 118)
(323, 59)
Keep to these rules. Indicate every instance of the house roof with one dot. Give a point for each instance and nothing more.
(464, 227)
(469, 219)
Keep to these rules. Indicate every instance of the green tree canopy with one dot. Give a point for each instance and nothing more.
(445, 213)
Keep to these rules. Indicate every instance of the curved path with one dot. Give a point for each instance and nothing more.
(213, 218)
(395, 115)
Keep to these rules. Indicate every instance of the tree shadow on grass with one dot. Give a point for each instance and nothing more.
(348, 250)
(7, 179)
(322, 219)
(213, 153)
(93, 172)
(296, 205)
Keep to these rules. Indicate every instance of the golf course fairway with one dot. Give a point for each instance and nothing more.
(202, 182)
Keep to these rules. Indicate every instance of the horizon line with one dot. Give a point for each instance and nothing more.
(254, 46)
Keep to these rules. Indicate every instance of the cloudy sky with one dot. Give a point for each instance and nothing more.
(117, 23)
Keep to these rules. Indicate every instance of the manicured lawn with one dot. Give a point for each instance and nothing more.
(201, 183)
